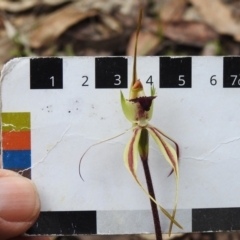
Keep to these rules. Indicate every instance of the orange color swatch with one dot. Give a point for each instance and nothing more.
(16, 140)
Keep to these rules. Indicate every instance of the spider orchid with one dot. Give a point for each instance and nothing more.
(138, 109)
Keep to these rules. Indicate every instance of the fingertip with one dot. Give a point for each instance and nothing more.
(8, 173)
(19, 204)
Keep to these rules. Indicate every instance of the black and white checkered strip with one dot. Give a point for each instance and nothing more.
(128, 222)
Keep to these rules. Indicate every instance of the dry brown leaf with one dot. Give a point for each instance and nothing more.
(147, 43)
(111, 23)
(151, 25)
(191, 14)
(209, 49)
(108, 6)
(5, 49)
(218, 16)
(18, 6)
(1, 22)
(192, 33)
(10, 29)
(52, 26)
(55, 2)
(173, 10)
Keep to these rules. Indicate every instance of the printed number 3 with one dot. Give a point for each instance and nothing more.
(180, 79)
(117, 79)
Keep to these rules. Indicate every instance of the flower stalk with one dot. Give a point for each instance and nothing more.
(156, 219)
(143, 152)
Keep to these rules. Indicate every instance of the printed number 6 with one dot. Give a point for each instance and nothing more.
(180, 79)
(118, 79)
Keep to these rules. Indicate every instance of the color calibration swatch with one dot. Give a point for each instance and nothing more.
(16, 142)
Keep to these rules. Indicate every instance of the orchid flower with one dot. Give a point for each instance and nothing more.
(138, 109)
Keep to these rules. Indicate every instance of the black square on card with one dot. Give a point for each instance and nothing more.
(111, 72)
(46, 73)
(231, 72)
(175, 72)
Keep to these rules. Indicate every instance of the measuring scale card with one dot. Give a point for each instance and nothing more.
(53, 109)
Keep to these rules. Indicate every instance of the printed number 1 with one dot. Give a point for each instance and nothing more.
(52, 78)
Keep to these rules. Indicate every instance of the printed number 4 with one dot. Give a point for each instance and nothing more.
(149, 80)
(181, 79)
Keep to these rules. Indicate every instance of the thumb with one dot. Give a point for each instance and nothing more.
(19, 204)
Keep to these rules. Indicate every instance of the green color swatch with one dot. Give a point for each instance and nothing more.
(18, 121)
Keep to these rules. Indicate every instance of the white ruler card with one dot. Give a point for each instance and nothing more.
(53, 109)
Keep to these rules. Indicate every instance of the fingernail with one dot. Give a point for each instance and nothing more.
(19, 201)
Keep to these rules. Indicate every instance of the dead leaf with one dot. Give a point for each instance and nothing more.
(17, 6)
(1, 22)
(147, 43)
(218, 16)
(111, 23)
(56, 23)
(55, 2)
(5, 49)
(209, 49)
(173, 10)
(10, 29)
(109, 6)
(52, 26)
(191, 14)
(193, 33)
(96, 36)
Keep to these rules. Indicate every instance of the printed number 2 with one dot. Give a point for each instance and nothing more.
(117, 79)
(52, 78)
(85, 83)
(180, 79)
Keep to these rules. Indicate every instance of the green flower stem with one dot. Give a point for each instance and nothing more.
(156, 218)
(143, 148)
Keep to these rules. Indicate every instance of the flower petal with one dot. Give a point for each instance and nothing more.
(166, 136)
(153, 91)
(171, 155)
(131, 152)
(153, 94)
(170, 139)
(131, 161)
(129, 109)
(167, 150)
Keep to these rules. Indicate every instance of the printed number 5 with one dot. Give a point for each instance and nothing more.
(117, 79)
(180, 79)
